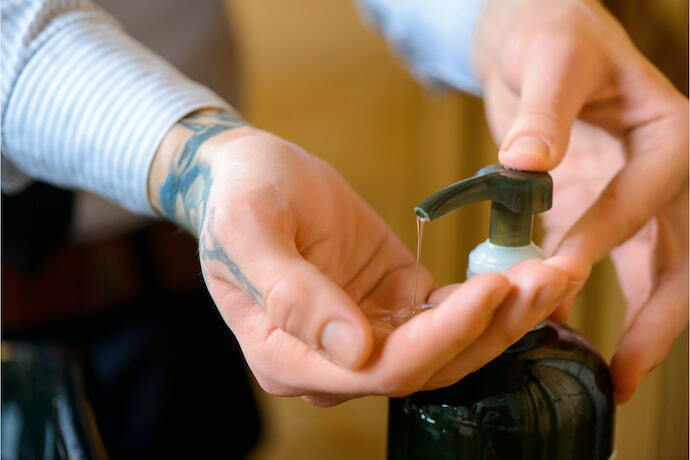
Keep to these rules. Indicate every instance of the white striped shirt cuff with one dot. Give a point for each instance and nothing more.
(90, 108)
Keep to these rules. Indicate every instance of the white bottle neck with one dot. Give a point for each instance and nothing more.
(488, 257)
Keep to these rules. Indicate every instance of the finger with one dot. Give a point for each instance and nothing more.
(637, 280)
(440, 294)
(578, 270)
(655, 172)
(650, 335)
(416, 350)
(295, 295)
(537, 288)
(554, 81)
(562, 311)
(401, 365)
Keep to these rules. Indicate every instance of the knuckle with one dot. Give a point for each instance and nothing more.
(511, 333)
(615, 201)
(543, 117)
(283, 303)
(272, 387)
(491, 282)
(324, 401)
(398, 387)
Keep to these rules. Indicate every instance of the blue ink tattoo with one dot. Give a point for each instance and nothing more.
(183, 195)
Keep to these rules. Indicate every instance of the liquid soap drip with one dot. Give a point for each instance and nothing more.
(420, 238)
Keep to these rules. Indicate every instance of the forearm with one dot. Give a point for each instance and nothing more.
(84, 105)
(181, 172)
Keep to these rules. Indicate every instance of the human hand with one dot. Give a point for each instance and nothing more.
(564, 77)
(315, 286)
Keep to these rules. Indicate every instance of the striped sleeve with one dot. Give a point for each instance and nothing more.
(83, 104)
(434, 36)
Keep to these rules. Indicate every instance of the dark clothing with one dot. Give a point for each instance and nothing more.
(164, 374)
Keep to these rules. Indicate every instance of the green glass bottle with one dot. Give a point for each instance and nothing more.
(549, 396)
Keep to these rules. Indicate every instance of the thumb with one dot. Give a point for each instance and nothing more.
(297, 297)
(307, 304)
(553, 85)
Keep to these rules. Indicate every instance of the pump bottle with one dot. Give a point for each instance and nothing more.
(547, 397)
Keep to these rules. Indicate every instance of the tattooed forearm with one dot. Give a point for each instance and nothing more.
(211, 249)
(185, 189)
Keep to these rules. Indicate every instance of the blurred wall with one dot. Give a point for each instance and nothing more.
(314, 74)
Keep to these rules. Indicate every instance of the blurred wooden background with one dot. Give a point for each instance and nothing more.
(313, 73)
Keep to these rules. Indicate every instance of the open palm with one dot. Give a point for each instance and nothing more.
(311, 281)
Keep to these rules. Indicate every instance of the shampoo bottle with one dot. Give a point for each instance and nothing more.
(547, 397)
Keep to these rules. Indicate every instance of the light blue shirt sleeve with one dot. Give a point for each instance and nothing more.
(83, 104)
(434, 36)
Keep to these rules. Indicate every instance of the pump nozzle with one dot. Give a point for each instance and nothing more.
(515, 196)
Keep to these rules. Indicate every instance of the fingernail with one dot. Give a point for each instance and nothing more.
(548, 296)
(529, 145)
(340, 342)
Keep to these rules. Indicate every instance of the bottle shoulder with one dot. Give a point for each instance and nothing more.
(549, 396)
(546, 367)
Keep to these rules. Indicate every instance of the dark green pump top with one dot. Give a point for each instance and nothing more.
(515, 196)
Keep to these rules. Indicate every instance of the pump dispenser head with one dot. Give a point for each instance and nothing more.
(515, 196)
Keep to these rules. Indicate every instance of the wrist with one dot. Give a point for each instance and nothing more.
(181, 172)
